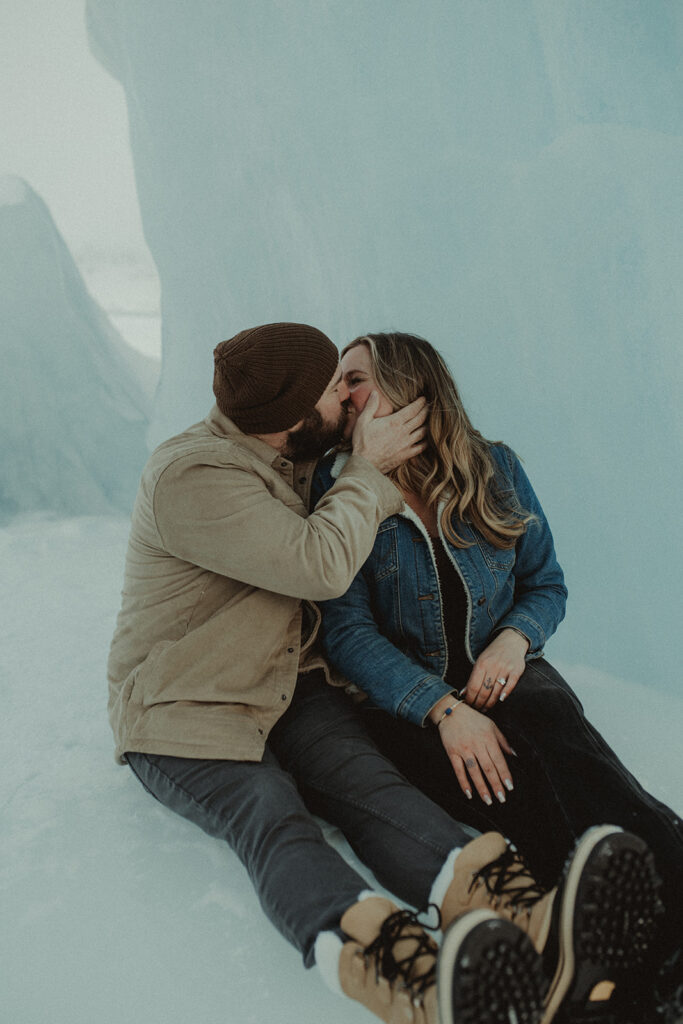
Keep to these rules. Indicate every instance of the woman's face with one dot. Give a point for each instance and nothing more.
(357, 372)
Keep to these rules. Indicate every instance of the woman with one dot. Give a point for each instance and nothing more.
(444, 628)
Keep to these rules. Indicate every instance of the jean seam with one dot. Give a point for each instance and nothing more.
(565, 689)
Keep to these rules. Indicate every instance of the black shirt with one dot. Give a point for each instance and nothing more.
(454, 604)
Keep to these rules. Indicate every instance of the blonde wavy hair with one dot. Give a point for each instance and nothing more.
(456, 465)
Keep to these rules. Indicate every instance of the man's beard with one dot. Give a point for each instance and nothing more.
(314, 437)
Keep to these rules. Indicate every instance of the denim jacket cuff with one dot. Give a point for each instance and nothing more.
(419, 702)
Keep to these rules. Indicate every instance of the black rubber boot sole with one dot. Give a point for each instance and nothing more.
(605, 919)
(668, 990)
(488, 972)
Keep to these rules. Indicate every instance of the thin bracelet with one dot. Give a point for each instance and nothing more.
(449, 711)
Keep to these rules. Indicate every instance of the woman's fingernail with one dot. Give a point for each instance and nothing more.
(487, 800)
(502, 697)
(468, 794)
(501, 796)
(508, 784)
(514, 752)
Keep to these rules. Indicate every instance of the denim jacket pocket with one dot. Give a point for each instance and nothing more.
(499, 559)
(384, 558)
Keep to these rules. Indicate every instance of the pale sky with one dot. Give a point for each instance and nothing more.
(63, 126)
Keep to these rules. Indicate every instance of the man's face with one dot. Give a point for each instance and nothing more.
(323, 427)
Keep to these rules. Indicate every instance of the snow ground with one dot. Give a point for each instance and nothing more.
(113, 908)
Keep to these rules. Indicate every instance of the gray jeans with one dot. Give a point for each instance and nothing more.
(319, 760)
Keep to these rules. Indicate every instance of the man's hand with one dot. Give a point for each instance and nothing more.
(496, 671)
(389, 441)
(475, 746)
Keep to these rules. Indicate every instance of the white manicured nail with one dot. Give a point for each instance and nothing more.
(487, 800)
(501, 796)
(508, 785)
(468, 794)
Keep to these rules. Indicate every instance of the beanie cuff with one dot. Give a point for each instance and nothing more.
(268, 378)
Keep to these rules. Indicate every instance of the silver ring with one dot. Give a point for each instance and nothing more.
(503, 682)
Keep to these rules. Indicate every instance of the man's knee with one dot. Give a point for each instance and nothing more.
(238, 801)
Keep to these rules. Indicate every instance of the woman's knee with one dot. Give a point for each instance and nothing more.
(542, 694)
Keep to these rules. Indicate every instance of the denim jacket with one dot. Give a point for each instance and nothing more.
(386, 633)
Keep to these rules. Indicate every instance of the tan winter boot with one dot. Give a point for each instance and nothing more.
(591, 930)
(487, 971)
(390, 964)
(489, 873)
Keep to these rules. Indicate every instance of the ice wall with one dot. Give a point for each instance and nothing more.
(502, 177)
(72, 416)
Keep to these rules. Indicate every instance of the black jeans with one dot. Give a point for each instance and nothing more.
(319, 760)
(566, 779)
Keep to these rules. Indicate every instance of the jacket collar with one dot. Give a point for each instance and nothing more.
(340, 460)
(222, 426)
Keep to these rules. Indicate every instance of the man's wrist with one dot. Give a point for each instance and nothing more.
(390, 497)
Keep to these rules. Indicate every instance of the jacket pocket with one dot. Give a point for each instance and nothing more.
(383, 560)
(147, 683)
(498, 559)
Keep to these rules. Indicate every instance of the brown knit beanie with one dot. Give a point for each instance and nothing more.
(268, 378)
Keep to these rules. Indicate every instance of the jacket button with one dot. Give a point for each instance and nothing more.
(482, 600)
(302, 479)
(290, 650)
(284, 696)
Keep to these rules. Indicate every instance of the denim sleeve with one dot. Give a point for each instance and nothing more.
(540, 591)
(355, 646)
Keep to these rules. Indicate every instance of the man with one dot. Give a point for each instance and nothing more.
(220, 702)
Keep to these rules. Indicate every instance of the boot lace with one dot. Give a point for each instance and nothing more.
(404, 969)
(509, 882)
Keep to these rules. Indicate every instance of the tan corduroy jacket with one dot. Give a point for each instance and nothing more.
(223, 561)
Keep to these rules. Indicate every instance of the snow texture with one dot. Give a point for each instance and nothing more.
(13, 190)
(114, 909)
(73, 416)
(502, 178)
